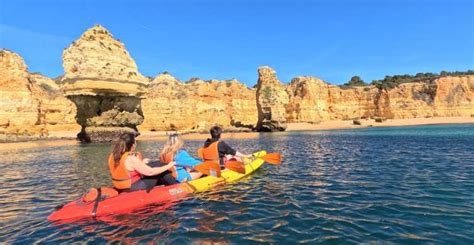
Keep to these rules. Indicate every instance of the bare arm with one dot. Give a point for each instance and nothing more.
(238, 154)
(146, 170)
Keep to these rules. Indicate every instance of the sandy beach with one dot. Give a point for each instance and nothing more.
(62, 138)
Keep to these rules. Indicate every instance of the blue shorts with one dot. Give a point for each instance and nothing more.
(182, 175)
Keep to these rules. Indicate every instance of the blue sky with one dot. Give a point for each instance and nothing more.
(332, 40)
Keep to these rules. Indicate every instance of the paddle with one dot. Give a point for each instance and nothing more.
(272, 158)
(235, 166)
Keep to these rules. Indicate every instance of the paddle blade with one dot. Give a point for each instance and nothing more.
(235, 166)
(272, 158)
(209, 169)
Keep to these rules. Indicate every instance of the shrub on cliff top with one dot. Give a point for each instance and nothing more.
(354, 82)
(393, 81)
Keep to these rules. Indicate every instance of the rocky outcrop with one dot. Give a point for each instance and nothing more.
(103, 92)
(56, 112)
(454, 96)
(98, 64)
(357, 102)
(272, 99)
(31, 106)
(197, 105)
(442, 97)
(103, 81)
(312, 100)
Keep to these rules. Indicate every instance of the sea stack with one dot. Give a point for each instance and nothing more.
(272, 99)
(103, 81)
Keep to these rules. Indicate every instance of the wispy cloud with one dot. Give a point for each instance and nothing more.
(147, 28)
(10, 33)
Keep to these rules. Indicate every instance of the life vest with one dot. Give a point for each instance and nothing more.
(121, 177)
(210, 153)
(167, 158)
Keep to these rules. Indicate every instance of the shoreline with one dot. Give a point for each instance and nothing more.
(64, 138)
(367, 123)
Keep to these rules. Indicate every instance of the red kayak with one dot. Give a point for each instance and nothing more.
(107, 201)
(112, 203)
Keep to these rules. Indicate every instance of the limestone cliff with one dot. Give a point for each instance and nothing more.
(272, 98)
(103, 81)
(109, 96)
(28, 107)
(197, 105)
(313, 100)
(442, 97)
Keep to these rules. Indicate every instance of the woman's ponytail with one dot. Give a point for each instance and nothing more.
(122, 145)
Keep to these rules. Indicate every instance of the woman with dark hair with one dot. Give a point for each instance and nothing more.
(217, 150)
(131, 172)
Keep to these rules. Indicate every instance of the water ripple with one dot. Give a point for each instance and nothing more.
(411, 184)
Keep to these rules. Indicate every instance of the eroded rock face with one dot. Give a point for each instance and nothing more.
(312, 100)
(353, 103)
(272, 99)
(99, 64)
(56, 112)
(442, 97)
(103, 81)
(197, 105)
(27, 109)
(308, 100)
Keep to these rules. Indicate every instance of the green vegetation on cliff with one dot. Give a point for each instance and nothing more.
(393, 81)
(354, 82)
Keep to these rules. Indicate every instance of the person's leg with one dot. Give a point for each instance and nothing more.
(145, 183)
(165, 178)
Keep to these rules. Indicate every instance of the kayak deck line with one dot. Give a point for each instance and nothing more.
(128, 201)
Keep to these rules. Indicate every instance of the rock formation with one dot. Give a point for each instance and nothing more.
(103, 81)
(442, 97)
(29, 108)
(309, 99)
(272, 98)
(197, 105)
(312, 100)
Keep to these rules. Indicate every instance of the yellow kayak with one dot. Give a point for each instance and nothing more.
(228, 176)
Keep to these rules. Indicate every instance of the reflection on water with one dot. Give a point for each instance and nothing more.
(378, 184)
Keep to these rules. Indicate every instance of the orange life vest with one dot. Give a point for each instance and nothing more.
(210, 153)
(121, 177)
(167, 158)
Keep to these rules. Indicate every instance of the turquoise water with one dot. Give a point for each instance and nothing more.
(401, 184)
